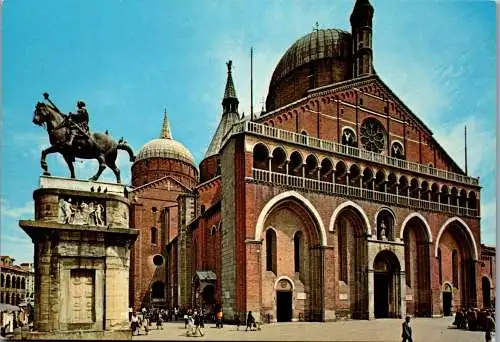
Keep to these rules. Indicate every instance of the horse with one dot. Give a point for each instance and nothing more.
(97, 145)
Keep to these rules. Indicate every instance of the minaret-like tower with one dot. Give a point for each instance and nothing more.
(230, 101)
(209, 167)
(361, 29)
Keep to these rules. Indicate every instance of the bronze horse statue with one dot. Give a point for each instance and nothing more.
(96, 146)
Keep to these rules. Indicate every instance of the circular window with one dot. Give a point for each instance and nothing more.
(158, 260)
(373, 136)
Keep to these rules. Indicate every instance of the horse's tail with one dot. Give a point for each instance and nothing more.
(123, 146)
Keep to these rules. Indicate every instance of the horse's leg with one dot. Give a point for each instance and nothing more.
(43, 163)
(69, 161)
(110, 161)
(102, 166)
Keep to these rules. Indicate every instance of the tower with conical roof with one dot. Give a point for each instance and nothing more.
(209, 167)
(361, 29)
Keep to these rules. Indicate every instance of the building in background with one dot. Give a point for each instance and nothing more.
(13, 282)
(30, 281)
(336, 201)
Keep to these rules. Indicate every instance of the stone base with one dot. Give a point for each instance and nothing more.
(125, 334)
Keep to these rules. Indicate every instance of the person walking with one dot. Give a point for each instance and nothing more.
(134, 323)
(250, 321)
(218, 317)
(490, 326)
(406, 334)
(237, 321)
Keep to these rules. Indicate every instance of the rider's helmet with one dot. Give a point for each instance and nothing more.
(80, 104)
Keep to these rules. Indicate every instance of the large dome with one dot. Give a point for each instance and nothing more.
(325, 43)
(165, 148)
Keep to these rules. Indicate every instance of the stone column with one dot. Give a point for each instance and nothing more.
(371, 297)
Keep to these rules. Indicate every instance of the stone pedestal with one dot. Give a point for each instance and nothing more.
(82, 253)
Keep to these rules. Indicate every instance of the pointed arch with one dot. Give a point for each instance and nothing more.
(344, 205)
(427, 227)
(467, 231)
(287, 195)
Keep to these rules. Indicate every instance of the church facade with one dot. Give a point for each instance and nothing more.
(335, 202)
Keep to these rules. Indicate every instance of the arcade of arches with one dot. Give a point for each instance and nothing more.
(379, 270)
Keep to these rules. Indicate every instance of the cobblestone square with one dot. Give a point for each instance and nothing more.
(387, 330)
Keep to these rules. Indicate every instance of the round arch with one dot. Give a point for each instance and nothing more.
(467, 230)
(426, 224)
(287, 195)
(284, 278)
(344, 205)
(379, 210)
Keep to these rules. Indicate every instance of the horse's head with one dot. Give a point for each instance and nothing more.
(40, 114)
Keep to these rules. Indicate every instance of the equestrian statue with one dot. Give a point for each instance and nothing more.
(69, 135)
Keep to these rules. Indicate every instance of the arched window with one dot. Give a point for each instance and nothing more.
(440, 267)
(23, 283)
(397, 150)
(342, 247)
(271, 251)
(158, 290)
(348, 137)
(2, 281)
(296, 250)
(7, 281)
(454, 267)
(154, 235)
(13, 299)
(7, 298)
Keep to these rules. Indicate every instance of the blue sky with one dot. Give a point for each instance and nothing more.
(130, 60)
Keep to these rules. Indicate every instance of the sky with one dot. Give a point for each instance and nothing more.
(132, 60)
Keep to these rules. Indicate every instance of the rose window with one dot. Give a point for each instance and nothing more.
(373, 136)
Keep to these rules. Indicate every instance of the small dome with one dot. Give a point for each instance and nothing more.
(165, 148)
(325, 43)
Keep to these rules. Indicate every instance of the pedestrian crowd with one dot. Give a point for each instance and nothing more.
(475, 319)
(194, 319)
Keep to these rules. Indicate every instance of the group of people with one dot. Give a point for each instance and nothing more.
(476, 319)
(194, 319)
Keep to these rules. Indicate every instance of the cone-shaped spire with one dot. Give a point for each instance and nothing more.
(230, 101)
(165, 129)
(230, 114)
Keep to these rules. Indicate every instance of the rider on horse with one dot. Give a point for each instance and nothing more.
(80, 123)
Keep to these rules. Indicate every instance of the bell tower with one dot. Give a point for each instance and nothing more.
(361, 29)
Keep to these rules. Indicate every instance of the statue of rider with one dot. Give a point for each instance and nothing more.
(80, 121)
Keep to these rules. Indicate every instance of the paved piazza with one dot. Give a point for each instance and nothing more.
(387, 330)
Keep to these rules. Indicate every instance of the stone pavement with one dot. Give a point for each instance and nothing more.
(387, 330)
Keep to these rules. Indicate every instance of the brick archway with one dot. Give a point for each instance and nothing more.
(259, 227)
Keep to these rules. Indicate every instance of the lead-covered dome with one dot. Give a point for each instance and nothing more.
(330, 49)
(165, 147)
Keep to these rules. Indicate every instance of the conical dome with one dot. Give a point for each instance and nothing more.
(165, 147)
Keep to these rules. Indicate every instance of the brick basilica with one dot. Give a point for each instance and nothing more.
(335, 202)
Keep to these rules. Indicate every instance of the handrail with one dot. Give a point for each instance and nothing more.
(351, 191)
(331, 146)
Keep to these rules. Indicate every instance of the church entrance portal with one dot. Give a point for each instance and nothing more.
(486, 292)
(387, 285)
(284, 306)
(447, 299)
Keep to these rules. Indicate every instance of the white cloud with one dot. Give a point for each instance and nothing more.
(16, 212)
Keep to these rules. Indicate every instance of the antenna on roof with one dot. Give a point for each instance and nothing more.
(466, 150)
(251, 83)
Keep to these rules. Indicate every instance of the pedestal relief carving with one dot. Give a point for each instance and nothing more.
(81, 212)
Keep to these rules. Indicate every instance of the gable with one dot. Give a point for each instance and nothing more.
(166, 183)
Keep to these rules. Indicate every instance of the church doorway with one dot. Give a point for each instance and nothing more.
(284, 306)
(387, 285)
(486, 292)
(447, 300)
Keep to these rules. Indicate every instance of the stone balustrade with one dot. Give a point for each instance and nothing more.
(275, 178)
(330, 146)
